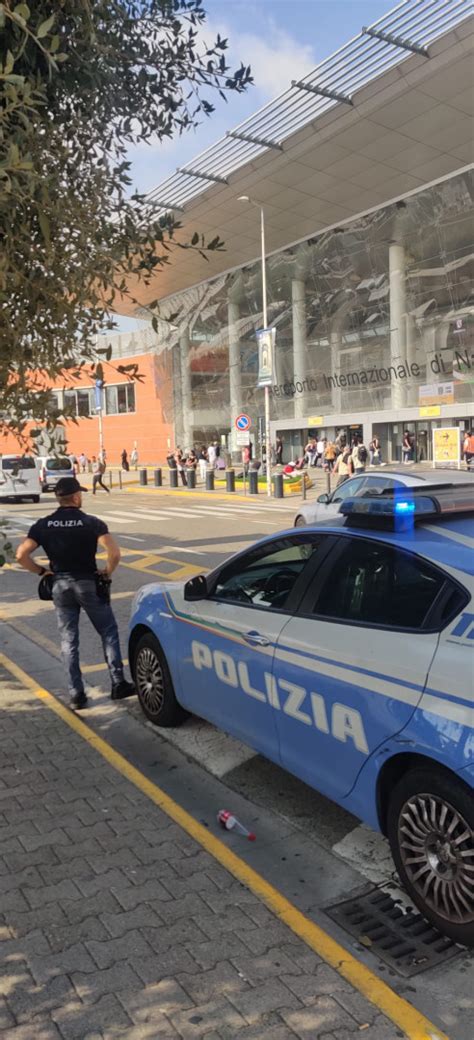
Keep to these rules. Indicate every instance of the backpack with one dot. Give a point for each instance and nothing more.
(362, 453)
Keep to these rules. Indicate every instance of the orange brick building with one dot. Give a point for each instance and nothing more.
(135, 413)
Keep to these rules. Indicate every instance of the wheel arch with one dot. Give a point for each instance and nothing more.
(398, 766)
(134, 638)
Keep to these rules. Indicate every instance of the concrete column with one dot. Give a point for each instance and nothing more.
(186, 396)
(396, 264)
(335, 343)
(235, 371)
(300, 365)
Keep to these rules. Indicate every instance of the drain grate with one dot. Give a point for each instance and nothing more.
(404, 941)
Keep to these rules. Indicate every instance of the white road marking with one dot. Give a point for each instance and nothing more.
(202, 742)
(130, 538)
(111, 519)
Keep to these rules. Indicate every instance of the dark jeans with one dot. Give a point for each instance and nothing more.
(69, 595)
(98, 482)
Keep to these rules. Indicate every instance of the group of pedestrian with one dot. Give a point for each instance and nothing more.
(206, 457)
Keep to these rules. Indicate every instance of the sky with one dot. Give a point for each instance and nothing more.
(281, 40)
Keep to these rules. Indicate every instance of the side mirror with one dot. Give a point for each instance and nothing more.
(324, 499)
(196, 588)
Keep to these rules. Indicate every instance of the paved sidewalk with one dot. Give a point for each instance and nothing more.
(116, 925)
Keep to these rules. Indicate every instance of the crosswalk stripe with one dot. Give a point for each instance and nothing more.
(112, 519)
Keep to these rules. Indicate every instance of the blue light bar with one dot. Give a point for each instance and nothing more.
(393, 507)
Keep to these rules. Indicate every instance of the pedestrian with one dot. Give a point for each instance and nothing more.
(407, 447)
(330, 454)
(134, 458)
(279, 450)
(468, 449)
(344, 466)
(179, 458)
(83, 462)
(192, 460)
(212, 455)
(320, 445)
(360, 456)
(203, 463)
(246, 458)
(98, 470)
(69, 538)
(375, 452)
(125, 462)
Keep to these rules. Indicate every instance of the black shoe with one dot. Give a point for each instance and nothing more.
(78, 701)
(121, 690)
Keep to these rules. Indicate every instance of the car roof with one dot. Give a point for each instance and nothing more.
(431, 477)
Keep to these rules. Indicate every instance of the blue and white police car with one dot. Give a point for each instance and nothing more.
(344, 652)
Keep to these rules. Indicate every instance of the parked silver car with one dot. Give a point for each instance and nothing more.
(328, 505)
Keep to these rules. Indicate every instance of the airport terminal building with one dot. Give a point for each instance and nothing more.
(364, 172)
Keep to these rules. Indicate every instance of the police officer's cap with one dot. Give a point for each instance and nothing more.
(68, 486)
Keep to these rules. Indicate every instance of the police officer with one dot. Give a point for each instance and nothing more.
(69, 538)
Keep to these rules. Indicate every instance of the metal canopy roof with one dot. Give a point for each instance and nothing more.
(401, 120)
(409, 27)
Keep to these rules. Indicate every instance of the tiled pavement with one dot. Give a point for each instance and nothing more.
(115, 925)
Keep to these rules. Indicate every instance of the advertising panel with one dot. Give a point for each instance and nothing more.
(446, 446)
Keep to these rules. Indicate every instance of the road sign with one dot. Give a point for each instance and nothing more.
(243, 422)
(242, 438)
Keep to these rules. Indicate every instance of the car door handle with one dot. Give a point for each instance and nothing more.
(256, 639)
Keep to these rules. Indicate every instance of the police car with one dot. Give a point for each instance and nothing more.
(345, 653)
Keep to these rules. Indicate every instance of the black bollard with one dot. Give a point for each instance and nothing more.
(191, 478)
(230, 480)
(143, 477)
(210, 480)
(278, 485)
(173, 478)
(158, 477)
(253, 481)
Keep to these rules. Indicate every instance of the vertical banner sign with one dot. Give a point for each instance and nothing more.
(446, 446)
(266, 357)
(98, 394)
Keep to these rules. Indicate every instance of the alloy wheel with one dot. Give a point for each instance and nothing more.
(437, 850)
(150, 680)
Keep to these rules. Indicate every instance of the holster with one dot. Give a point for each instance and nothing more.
(102, 584)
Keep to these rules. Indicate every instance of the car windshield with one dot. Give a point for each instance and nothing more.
(61, 463)
(17, 463)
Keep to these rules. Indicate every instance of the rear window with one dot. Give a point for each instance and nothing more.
(25, 462)
(61, 463)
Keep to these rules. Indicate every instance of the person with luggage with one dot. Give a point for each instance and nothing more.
(360, 456)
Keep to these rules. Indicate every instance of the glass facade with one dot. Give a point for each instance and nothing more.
(374, 320)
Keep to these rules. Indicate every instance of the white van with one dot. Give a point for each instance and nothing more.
(19, 478)
(52, 468)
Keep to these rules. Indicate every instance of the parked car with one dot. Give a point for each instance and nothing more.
(327, 506)
(51, 469)
(19, 478)
(344, 653)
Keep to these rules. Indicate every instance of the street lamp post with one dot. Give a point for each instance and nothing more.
(268, 462)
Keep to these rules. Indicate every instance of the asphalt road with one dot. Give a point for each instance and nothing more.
(315, 852)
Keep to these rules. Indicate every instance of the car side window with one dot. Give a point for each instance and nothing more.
(348, 489)
(375, 584)
(266, 576)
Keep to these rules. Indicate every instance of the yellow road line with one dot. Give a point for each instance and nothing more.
(414, 1024)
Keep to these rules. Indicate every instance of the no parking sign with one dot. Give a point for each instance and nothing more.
(243, 422)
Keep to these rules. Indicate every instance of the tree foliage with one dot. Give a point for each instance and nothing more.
(80, 82)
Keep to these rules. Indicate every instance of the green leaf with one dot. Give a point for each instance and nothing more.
(45, 27)
(23, 11)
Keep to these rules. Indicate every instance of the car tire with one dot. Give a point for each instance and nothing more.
(154, 685)
(35, 498)
(431, 834)
(300, 521)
